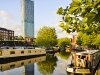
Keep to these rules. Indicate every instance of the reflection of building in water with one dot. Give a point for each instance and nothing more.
(28, 69)
(23, 70)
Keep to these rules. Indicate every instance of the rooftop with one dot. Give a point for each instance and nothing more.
(5, 29)
(86, 52)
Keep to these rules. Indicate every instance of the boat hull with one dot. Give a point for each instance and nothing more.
(77, 71)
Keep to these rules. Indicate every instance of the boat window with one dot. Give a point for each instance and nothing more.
(0, 53)
(22, 63)
(22, 52)
(29, 51)
(29, 61)
(1, 68)
(82, 57)
(82, 61)
(12, 52)
(12, 66)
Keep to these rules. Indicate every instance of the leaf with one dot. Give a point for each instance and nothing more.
(68, 31)
(75, 5)
(89, 1)
(97, 4)
(85, 19)
(86, 10)
(61, 25)
(60, 11)
(67, 18)
(91, 18)
(72, 9)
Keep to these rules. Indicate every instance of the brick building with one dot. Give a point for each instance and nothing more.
(73, 40)
(6, 34)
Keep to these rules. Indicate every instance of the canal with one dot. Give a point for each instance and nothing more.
(50, 64)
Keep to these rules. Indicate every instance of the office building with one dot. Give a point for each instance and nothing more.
(27, 18)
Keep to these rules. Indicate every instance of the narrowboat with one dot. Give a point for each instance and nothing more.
(83, 62)
(18, 52)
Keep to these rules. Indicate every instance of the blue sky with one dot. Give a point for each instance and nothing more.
(44, 12)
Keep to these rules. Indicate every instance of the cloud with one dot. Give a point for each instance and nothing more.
(4, 15)
(57, 17)
(10, 21)
(35, 32)
(61, 33)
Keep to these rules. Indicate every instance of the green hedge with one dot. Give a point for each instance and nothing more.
(12, 43)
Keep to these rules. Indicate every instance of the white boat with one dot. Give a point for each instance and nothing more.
(6, 53)
(84, 62)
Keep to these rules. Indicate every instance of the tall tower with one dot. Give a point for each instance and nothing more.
(27, 18)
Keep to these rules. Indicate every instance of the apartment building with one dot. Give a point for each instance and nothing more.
(6, 34)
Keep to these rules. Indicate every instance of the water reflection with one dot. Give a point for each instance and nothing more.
(16, 64)
(98, 70)
(28, 69)
(48, 66)
(64, 55)
(43, 65)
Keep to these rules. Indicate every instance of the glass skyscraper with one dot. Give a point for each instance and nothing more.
(27, 18)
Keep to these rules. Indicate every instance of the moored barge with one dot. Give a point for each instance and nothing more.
(84, 62)
(6, 53)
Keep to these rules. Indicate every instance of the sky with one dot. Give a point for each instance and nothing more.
(44, 15)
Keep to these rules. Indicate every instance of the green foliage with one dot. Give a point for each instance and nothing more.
(86, 40)
(64, 41)
(97, 41)
(20, 37)
(81, 16)
(64, 55)
(79, 39)
(12, 43)
(46, 37)
(47, 67)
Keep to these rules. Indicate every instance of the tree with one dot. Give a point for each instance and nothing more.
(28, 40)
(64, 41)
(20, 37)
(79, 39)
(86, 40)
(46, 37)
(81, 15)
(97, 41)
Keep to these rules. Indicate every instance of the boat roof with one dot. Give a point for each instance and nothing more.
(87, 52)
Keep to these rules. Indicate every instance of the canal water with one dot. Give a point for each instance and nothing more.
(50, 64)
